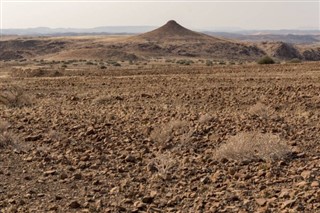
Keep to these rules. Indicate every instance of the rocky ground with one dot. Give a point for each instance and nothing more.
(147, 140)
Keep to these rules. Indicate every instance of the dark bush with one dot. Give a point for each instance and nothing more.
(266, 60)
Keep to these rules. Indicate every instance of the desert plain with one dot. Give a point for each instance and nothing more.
(160, 134)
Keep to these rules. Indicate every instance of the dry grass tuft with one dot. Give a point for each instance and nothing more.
(261, 110)
(174, 129)
(253, 146)
(15, 96)
(6, 137)
(164, 163)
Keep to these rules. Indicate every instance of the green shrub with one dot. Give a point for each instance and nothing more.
(295, 61)
(266, 60)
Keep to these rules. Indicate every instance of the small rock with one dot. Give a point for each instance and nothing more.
(152, 168)
(90, 131)
(28, 159)
(114, 190)
(12, 201)
(288, 203)
(33, 138)
(315, 184)
(74, 204)
(284, 193)
(147, 199)
(302, 184)
(261, 201)
(77, 176)
(28, 178)
(216, 176)
(306, 174)
(130, 159)
(63, 176)
(153, 194)
(98, 204)
(205, 180)
(50, 172)
(40, 195)
(58, 197)
(139, 205)
(53, 208)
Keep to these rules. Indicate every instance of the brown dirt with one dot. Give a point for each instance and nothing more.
(143, 140)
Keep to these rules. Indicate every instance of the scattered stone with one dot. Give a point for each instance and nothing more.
(53, 207)
(130, 159)
(288, 204)
(33, 138)
(147, 199)
(302, 184)
(306, 175)
(74, 204)
(63, 176)
(114, 190)
(315, 184)
(77, 176)
(284, 193)
(90, 131)
(153, 194)
(152, 168)
(50, 172)
(261, 201)
(205, 180)
(139, 205)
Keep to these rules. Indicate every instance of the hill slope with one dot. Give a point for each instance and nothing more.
(172, 31)
(169, 41)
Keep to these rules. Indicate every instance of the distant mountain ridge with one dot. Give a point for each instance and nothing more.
(55, 31)
(169, 40)
(143, 29)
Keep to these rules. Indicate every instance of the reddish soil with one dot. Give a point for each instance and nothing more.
(143, 140)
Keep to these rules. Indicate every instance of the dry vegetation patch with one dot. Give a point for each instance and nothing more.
(253, 146)
(174, 131)
(15, 96)
(6, 137)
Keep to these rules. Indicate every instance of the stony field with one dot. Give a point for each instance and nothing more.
(220, 138)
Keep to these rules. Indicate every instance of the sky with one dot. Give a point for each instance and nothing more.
(209, 14)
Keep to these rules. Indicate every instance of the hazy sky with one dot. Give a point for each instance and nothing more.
(273, 14)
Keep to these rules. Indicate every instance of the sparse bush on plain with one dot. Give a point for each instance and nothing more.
(266, 60)
(6, 137)
(15, 96)
(174, 131)
(253, 146)
(209, 63)
(295, 61)
(261, 110)
(164, 164)
(185, 62)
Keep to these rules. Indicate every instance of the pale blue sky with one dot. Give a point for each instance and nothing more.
(195, 15)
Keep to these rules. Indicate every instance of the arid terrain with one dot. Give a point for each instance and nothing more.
(169, 41)
(167, 121)
(159, 137)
